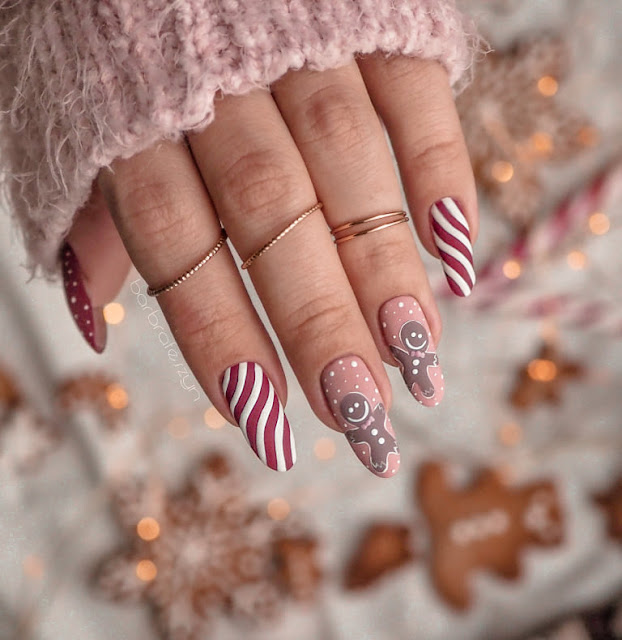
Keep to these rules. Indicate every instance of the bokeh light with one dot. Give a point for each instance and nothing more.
(146, 570)
(213, 419)
(114, 313)
(542, 370)
(116, 396)
(148, 528)
(278, 508)
(502, 171)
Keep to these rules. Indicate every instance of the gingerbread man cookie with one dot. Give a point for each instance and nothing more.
(483, 527)
(406, 331)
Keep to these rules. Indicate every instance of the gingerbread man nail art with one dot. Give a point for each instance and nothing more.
(408, 336)
(358, 408)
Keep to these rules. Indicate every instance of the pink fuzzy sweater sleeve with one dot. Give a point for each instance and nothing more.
(85, 81)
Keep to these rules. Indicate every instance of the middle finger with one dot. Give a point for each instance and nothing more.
(259, 184)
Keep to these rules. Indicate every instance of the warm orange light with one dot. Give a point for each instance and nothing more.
(114, 313)
(278, 509)
(116, 396)
(510, 434)
(34, 567)
(146, 570)
(502, 171)
(324, 448)
(148, 528)
(512, 269)
(548, 86)
(542, 370)
(542, 143)
(213, 419)
(577, 260)
(588, 136)
(599, 224)
(178, 427)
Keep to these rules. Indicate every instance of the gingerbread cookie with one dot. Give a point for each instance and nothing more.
(384, 548)
(483, 527)
(611, 504)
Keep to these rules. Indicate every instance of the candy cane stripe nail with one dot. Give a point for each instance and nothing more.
(450, 230)
(256, 407)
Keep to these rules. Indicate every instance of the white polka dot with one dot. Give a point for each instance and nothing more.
(332, 374)
(356, 386)
(354, 363)
(72, 299)
(334, 401)
(340, 362)
(88, 322)
(91, 334)
(86, 307)
(75, 284)
(380, 440)
(400, 304)
(375, 390)
(366, 379)
(410, 311)
(384, 324)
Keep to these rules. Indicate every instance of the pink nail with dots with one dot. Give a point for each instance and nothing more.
(408, 336)
(357, 406)
(89, 320)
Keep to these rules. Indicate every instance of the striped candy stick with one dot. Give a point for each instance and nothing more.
(257, 410)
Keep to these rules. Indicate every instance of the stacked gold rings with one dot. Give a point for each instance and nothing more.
(373, 223)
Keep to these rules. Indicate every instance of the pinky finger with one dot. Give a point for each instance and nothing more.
(94, 264)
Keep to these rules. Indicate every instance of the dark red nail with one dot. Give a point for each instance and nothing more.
(89, 320)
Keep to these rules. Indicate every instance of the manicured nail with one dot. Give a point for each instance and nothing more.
(452, 237)
(89, 319)
(406, 331)
(358, 408)
(259, 413)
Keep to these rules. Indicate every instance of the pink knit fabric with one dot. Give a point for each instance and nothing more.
(85, 81)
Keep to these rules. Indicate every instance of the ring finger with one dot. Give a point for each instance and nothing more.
(339, 135)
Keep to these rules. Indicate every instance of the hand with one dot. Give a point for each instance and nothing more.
(267, 157)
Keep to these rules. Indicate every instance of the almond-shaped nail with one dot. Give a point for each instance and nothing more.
(357, 406)
(259, 413)
(408, 336)
(453, 240)
(89, 319)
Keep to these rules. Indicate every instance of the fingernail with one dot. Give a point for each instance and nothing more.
(408, 336)
(453, 240)
(89, 319)
(259, 413)
(358, 408)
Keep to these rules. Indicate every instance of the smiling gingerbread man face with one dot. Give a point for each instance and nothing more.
(355, 409)
(414, 336)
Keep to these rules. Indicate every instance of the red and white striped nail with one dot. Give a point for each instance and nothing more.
(359, 410)
(452, 237)
(89, 319)
(259, 413)
(408, 336)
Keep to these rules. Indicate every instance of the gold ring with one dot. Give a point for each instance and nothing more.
(247, 263)
(374, 224)
(156, 291)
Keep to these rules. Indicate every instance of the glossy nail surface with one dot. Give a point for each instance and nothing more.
(357, 406)
(453, 240)
(89, 320)
(258, 411)
(408, 336)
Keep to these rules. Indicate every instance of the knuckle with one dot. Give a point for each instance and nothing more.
(434, 153)
(336, 116)
(387, 255)
(153, 210)
(203, 329)
(258, 182)
(320, 316)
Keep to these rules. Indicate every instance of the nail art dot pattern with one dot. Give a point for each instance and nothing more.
(410, 341)
(361, 414)
(89, 320)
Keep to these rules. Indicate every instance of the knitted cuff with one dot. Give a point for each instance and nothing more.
(83, 82)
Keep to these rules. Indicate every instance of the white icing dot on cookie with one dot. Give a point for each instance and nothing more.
(374, 432)
(380, 440)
